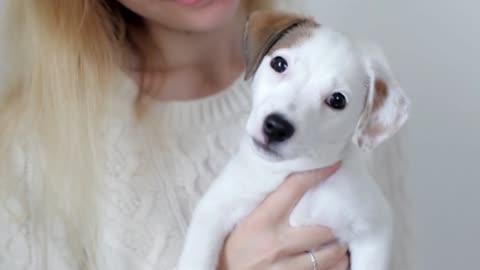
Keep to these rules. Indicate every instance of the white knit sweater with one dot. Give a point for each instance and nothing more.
(156, 172)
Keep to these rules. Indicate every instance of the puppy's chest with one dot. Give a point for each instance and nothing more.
(340, 203)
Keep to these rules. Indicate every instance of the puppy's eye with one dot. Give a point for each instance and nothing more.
(336, 101)
(279, 64)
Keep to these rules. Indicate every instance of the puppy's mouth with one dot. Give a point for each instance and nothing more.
(266, 150)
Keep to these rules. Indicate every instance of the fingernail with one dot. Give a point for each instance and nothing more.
(334, 167)
(338, 164)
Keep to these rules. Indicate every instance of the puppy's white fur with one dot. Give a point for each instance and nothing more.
(349, 202)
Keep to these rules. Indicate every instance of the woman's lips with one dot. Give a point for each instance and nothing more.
(188, 2)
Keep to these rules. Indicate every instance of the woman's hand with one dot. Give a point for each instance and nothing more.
(265, 240)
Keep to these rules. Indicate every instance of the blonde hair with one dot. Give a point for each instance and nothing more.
(64, 58)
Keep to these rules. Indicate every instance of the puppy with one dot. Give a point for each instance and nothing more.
(318, 97)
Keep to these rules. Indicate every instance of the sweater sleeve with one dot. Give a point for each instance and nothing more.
(15, 231)
(388, 165)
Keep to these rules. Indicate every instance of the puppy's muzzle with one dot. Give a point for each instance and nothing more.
(277, 129)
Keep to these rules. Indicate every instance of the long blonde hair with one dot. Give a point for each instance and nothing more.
(63, 59)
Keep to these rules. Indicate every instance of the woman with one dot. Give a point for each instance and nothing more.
(115, 117)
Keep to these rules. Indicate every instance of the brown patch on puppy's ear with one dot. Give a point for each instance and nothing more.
(264, 29)
(380, 95)
(371, 127)
(386, 108)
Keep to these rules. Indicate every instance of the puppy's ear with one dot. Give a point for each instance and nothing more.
(387, 106)
(262, 31)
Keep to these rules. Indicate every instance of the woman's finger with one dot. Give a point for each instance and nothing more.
(299, 239)
(344, 264)
(282, 201)
(326, 258)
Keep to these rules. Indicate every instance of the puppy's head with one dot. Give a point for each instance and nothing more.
(315, 90)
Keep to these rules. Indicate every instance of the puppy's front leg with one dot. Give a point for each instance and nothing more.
(208, 229)
(373, 250)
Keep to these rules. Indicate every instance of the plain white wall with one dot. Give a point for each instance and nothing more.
(434, 48)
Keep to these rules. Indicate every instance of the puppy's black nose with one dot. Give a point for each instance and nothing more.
(277, 129)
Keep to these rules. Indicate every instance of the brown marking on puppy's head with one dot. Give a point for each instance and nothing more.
(267, 31)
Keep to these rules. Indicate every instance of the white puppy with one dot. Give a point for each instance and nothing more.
(318, 97)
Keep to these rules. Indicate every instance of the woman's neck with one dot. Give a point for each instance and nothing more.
(184, 65)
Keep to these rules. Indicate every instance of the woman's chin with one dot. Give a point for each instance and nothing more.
(201, 15)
